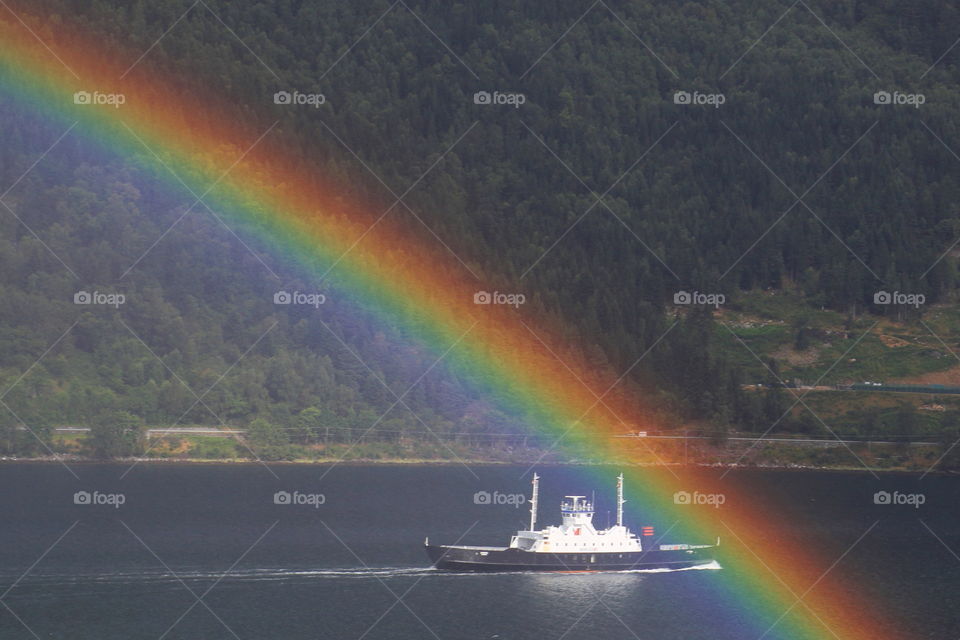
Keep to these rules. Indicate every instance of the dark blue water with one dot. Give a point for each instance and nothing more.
(201, 551)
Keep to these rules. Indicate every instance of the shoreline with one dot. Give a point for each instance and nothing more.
(82, 460)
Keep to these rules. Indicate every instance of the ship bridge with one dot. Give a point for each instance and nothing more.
(576, 511)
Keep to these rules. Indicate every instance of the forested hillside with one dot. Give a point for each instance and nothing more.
(599, 197)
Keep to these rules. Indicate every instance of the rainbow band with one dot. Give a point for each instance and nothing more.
(424, 295)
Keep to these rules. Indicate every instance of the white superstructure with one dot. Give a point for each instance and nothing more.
(576, 533)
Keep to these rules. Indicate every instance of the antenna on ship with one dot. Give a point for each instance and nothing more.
(620, 500)
(533, 501)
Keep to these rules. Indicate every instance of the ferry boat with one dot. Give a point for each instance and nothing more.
(574, 545)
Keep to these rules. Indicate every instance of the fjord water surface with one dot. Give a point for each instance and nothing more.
(213, 551)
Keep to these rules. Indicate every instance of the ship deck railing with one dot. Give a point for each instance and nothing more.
(473, 548)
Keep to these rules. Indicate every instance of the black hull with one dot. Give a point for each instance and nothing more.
(494, 559)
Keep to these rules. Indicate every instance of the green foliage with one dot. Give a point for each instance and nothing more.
(698, 202)
(116, 434)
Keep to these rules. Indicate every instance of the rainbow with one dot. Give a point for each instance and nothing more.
(772, 584)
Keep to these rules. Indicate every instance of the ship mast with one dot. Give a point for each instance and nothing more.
(533, 501)
(620, 500)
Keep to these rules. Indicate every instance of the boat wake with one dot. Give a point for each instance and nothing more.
(710, 566)
(141, 576)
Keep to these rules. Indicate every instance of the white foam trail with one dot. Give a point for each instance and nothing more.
(276, 574)
(711, 566)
